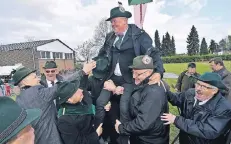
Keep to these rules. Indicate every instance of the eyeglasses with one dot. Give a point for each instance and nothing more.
(50, 71)
(138, 74)
(203, 86)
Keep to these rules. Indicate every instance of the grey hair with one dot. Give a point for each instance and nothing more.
(20, 85)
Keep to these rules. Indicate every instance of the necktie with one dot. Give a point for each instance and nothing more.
(197, 103)
(118, 42)
(52, 83)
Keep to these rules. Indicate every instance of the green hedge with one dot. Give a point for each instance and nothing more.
(195, 58)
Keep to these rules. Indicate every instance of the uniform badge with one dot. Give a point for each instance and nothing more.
(146, 59)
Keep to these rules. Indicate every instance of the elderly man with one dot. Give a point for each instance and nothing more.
(75, 121)
(185, 81)
(217, 66)
(34, 95)
(147, 104)
(205, 113)
(51, 77)
(121, 46)
(15, 126)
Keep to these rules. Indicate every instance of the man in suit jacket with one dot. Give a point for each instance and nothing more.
(122, 45)
(51, 77)
(217, 66)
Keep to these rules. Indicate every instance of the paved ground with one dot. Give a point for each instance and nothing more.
(170, 76)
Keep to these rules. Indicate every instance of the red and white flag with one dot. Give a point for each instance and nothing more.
(139, 14)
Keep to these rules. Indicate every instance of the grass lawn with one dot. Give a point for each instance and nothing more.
(177, 69)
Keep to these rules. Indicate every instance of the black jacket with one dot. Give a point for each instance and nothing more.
(226, 79)
(202, 124)
(94, 86)
(140, 41)
(147, 104)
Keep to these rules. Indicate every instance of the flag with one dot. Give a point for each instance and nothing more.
(137, 2)
(139, 14)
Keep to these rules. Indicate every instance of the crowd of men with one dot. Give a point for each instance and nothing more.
(118, 98)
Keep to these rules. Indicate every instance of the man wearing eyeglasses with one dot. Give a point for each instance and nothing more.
(51, 77)
(147, 104)
(205, 113)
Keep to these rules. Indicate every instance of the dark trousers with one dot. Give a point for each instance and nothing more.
(120, 110)
(77, 129)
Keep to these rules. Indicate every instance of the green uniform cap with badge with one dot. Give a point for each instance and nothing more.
(119, 12)
(50, 65)
(65, 91)
(20, 73)
(142, 62)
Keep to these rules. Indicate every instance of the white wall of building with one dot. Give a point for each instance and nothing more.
(55, 46)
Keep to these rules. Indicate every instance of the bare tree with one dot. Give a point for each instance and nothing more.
(90, 48)
(87, 50)
(100, 33)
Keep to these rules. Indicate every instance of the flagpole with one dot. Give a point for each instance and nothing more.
(141, 15)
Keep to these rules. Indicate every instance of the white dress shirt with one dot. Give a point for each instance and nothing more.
(49, 83)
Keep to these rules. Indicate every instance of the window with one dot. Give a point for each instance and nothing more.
(43, 54)
(48, 55)
(68, 55)
(58, 55)
(61, 55)
(54, 55)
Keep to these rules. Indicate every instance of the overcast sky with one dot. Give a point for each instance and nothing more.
(73, 21)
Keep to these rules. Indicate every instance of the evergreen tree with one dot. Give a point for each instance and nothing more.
(162, 50)
(157, 40)
(167, 44)
(223, 44)
(229, 42)
(173, 46)
(204, 47)
(213, 46)
(193, 42)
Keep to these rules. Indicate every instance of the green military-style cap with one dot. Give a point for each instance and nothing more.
(142, 62)
(50, 65)
(119, 12)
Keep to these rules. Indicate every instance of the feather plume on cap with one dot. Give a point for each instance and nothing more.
(121, 8)
(14, 70)
(147, 59)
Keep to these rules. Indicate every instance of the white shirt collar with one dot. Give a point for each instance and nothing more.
(202, 102)
(49, 82)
